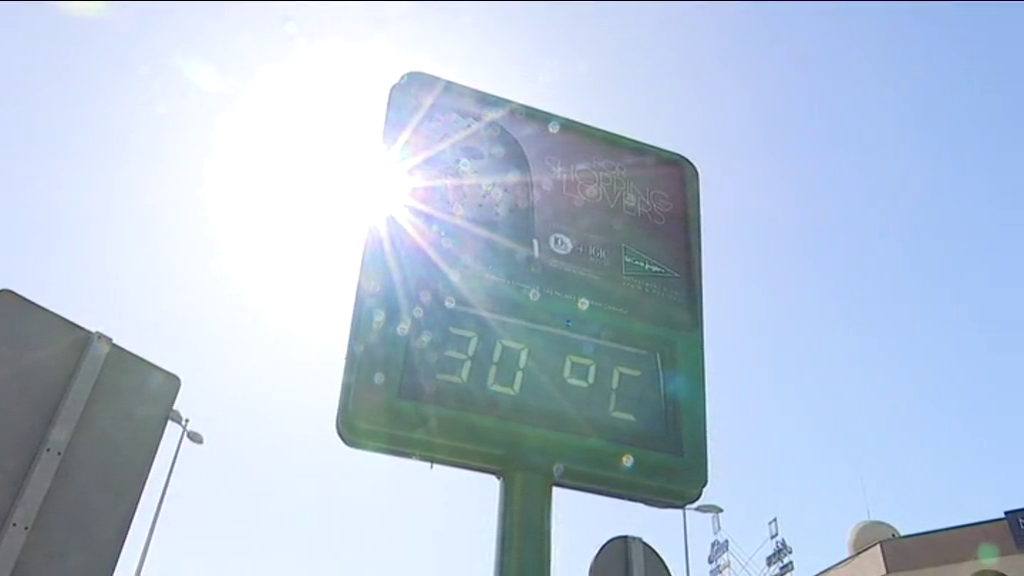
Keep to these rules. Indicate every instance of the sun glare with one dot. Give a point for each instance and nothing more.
(296, 173)
(390, 195)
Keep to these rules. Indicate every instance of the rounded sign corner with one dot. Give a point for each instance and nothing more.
(688, 166)
(346, 430)
(416, 77)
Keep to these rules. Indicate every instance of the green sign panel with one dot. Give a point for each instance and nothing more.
(535, 306)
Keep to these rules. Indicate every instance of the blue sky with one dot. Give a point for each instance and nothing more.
(173, 176)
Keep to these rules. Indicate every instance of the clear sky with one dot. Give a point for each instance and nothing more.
(186, 178)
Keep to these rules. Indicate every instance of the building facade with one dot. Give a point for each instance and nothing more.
(987, 548)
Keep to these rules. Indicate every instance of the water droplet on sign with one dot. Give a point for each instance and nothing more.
(423, 340)
(534, 294)
(628, 461)
(417, 312)
(554, 127)
(403, 329)
(449, 302)
(558, 470)
(378, 378)
(583, 304)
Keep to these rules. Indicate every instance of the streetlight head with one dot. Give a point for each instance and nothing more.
(708, 509)
(195, 437)
(176, 416)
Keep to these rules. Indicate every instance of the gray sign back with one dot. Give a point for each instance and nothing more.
(80, 423)
(628, 556)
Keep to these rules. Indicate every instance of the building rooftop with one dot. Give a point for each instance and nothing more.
(987, 548)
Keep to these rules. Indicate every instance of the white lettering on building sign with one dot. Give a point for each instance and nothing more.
(781, 552)
(719, 548)
(720, 568)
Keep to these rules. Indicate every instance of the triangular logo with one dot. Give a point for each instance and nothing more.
(636, 263)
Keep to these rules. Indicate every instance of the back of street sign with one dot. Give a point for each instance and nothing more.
(80, 423)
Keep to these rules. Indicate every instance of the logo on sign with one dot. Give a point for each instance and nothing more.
(719, 548)
(636, 263)
(606, 183)
(560, 243)
(593, 252)
(781, 552)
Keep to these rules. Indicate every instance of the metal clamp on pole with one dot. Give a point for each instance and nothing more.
(524, 525)
(15, 531)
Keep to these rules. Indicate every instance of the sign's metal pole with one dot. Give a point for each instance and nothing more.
(524, 525)
(686, 544)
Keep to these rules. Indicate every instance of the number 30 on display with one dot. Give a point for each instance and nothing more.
(503, 346)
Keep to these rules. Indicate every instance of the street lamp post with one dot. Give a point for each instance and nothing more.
(194, 437)
(700, 509)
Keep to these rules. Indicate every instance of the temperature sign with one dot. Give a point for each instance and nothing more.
(536, 304)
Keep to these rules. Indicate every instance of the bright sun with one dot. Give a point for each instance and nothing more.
(296, 173)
